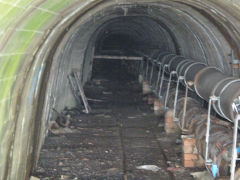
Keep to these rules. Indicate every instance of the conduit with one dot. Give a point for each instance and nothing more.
(208, 81)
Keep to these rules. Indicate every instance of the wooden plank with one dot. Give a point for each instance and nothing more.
(81, 91)
(131, 58)
(74, 89)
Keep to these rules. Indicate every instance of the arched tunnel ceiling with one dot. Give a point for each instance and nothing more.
(143, 30)
(205, 30)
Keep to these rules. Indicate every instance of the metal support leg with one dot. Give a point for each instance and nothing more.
(162, 79)
(151, 75)
(234, 148)
(140, 67)
(211, 100)
(146, 72)
(159, 75)
(184, 107)
(168, 88)
(176, 98)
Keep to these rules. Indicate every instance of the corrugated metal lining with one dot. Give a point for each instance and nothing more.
(30, 29)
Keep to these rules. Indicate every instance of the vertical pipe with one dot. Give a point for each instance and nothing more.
(234, 148)
(146, 73)
(159, 75)
(208, 129)
(151, 75)
(168, 88)
(235, 67)
(184, 107)
(176, 97)
(162, 79)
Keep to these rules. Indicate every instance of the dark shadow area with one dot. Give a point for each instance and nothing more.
(115, 70)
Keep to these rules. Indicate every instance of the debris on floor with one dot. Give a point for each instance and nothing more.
(203, 175)
(153, 168)
(120, 139)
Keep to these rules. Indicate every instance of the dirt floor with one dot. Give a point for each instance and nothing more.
(111, 143)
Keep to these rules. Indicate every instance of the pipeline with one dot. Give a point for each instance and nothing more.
(169, 69)
(207, 82)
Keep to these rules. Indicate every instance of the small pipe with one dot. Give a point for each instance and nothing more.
(168, 88)
(159, 75)
(208, 131)
(211, 100)
(185, 106)
(131, 58)
(235, 67)
(162, 79)
(234, 148)
(176, 98)
(151, 75)
(146, 73)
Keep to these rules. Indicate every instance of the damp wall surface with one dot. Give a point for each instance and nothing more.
(42, 40)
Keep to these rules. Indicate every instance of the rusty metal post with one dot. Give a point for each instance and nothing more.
(235, 67)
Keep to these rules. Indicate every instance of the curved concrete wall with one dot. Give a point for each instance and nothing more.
(42, 40)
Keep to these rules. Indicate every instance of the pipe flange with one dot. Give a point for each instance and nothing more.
(213, 93)
(220, 94)
(198, 76)
(179, 65)
(186, 71)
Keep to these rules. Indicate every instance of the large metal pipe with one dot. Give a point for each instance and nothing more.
(211, 81)
(205, 81)
(208, 81)
(190, 73)
(172, 65)
(180, 67)
(221, 134)
(220, 144)
(166, 59)
(228, 91)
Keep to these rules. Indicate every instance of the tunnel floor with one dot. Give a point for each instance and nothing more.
(121, 134)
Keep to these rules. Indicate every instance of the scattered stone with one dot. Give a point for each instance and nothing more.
(40, 170)
(112, 171)
(178, 141)
(153, 168)
(204, 175)
(131, 117)
(85, 159)
(106, 93)
(34, 178)
(66, 169)
(64, 177)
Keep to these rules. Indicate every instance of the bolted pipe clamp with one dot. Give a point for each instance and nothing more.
(214, 98)
(181, 77)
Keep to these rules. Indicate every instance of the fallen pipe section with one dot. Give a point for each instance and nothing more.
(164, 74)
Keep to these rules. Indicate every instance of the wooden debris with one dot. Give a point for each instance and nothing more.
(78, 89)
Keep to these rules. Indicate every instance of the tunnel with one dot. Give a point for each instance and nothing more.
(43, 41)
